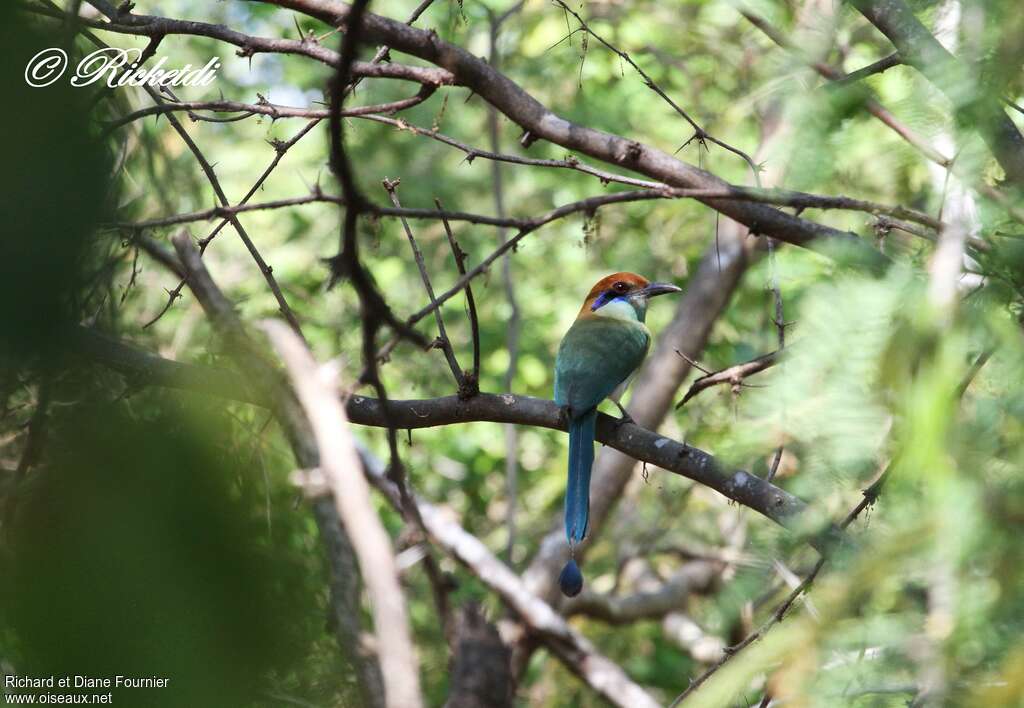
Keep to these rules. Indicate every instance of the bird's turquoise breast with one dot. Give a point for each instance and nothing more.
(596, 355)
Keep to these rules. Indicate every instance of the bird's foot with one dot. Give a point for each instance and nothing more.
(564, 415)
(626, 418)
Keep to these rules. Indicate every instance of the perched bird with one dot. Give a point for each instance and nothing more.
(596, 360)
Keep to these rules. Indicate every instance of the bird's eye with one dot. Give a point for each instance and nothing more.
(620, 287)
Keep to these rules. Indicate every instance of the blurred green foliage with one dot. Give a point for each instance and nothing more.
(54, 186)
(159, 533)
(137, 551)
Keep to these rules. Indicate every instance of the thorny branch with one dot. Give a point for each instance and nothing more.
(733, 375)
(266, 108)
(569, 163)
(472, 379)
(699, 134)
(248, 45)
(778, 197)
(266, 270)
(515, 103)
(442, 342)
(211, 176)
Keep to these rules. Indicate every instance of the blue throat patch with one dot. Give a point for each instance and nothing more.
(606, 297)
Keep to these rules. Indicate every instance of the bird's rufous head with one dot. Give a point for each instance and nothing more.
(629, 287)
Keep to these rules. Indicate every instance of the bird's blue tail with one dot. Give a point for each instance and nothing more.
(577, 492)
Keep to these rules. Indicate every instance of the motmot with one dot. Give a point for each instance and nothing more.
(596, 360)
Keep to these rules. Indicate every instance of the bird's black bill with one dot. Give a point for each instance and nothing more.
(661, 289)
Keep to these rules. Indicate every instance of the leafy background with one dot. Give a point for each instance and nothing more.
(187, 504)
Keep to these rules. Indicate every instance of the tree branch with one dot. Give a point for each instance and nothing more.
(339, 465)
(152, 26)
(629, 438)
(883, 64)
(266, 108)
(779, 197)
(571, 647)
(691, 578)
(468, 70)
(699, 133)
(732, 375)
(263, 382)
(473, 378)
(443, 342)
(265, 270)
(569, 163)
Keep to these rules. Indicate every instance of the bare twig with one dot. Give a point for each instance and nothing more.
(248, 45)
(883, 64)
(569, 163)
(778, 197)
(265, 108)
(319, 197)
(443, 342)
(733, 375)
(473, 378)
(700, 135)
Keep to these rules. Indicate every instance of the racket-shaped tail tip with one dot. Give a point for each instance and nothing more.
(570, 580)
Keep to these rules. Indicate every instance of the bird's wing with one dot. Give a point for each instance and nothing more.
(596, 356)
